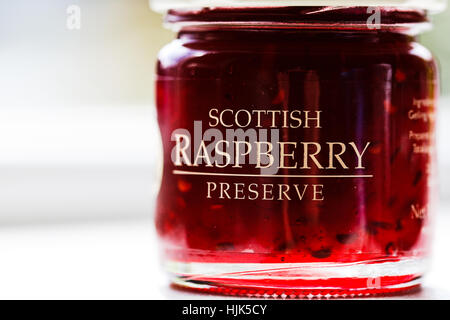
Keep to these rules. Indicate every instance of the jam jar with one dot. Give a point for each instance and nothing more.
(299, 154)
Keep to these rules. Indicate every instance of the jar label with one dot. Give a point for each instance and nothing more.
(291, 145)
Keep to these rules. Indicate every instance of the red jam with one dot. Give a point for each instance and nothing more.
(299, 151)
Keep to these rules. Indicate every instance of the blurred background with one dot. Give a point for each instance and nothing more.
(78, 137)
(79, 143)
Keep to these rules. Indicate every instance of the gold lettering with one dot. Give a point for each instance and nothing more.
(359, 154)
(317, 119)
(202, 153)
(211, 187)
(224, 187)
(300, 194)
(255, 192)
(299, 120)
(267, 192)
(213, 117)
(336, 155)
(222, 153)
(258, 112)
(283, 154)
(221, 118)
(180, 151)
(249, 118)
(239, 189)
(238, 153)
(318, 192)
(274, 113)
(267, 153)
(284, 189)
(307, 155)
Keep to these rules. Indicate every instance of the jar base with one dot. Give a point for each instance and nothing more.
(300, 280)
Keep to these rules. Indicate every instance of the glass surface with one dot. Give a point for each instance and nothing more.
(343, 208)
(163, 5)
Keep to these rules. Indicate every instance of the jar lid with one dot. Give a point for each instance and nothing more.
(429, 5)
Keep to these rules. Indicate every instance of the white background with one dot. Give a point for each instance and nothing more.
(80, 155)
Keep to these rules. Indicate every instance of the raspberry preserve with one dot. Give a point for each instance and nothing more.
(298, 148)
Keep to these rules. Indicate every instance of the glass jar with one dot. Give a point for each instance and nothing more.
(299, 155)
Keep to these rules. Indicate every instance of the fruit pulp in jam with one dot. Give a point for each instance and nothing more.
(373, 89)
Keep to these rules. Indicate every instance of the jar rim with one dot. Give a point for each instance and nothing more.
(432, 6)
(410, 21)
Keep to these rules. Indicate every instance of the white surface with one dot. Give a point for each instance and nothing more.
(74, 163)
(443, 135)
(118, 260)
(88, 135)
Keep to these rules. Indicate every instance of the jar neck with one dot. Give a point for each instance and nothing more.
(325, 19)
(253, 35)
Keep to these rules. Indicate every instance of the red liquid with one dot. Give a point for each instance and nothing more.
(375, 87)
